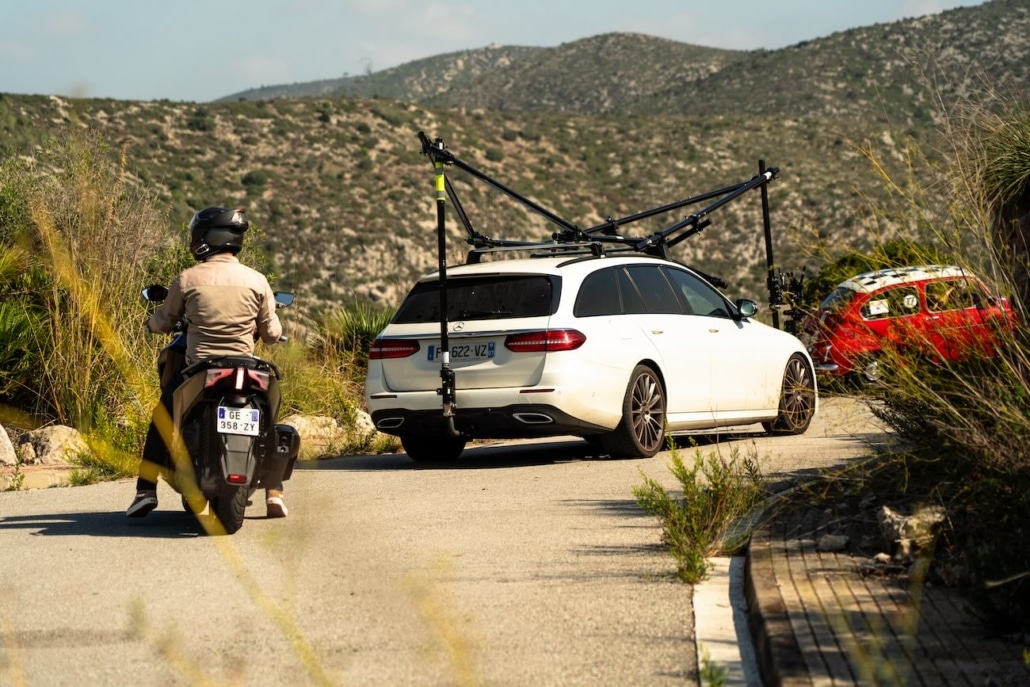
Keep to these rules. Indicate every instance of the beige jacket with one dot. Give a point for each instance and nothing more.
(225, 302)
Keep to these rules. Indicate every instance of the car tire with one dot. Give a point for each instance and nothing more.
(641, 432)
(423, 449)
(797, 398)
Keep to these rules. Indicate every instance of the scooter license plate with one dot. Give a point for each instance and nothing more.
(239, 420)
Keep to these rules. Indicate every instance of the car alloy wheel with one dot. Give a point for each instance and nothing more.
(641, 433)
(797, 399)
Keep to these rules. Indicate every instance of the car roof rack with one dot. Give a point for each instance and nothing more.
(539, 250)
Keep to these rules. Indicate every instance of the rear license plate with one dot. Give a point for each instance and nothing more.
(465, 353)
(239, 421)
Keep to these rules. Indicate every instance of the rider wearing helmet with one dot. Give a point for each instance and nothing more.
(225, 303)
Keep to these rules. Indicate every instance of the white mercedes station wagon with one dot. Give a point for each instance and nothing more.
(619, 350)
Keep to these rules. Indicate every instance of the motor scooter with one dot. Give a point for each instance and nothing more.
(225, 441)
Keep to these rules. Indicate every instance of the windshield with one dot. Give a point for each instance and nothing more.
(838, 300)
(491, 297)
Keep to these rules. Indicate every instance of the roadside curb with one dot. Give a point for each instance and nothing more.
(779, 656)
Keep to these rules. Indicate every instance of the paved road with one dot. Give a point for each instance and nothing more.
(522, 564)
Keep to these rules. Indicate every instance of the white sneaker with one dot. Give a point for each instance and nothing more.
(275, 507)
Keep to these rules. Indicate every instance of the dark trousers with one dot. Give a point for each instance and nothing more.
(157, 459)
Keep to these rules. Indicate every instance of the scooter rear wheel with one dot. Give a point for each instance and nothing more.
(229, 508)
(194, 509)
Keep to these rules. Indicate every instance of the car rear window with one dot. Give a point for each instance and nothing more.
(493, 297)
(837, 300)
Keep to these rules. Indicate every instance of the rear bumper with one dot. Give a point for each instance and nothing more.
(511, 422)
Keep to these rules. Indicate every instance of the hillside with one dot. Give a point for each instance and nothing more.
(412, 82)
(596, 75)
(878, 72)
(345, 201)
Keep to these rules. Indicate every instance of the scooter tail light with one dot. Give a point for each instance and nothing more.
(216, 375)
(236, 479)
(259, 378)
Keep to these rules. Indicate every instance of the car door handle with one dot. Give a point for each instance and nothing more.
(714, 331)
(657, 331)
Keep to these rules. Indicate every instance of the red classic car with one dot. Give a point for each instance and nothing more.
(942, 311)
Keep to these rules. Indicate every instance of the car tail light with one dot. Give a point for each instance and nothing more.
(548, 340)
(392, 348)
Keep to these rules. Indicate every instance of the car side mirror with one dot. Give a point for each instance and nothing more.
(746, 308)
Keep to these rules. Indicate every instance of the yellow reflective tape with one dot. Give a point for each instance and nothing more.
(441, 192)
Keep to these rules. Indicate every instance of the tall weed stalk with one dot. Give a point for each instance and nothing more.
(90, 228)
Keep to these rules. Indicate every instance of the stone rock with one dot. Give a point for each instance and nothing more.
(919, 527)
(8, 457)
(52, 445)
(320, 434)
(363, 423)
(832, 542)
(315, 429)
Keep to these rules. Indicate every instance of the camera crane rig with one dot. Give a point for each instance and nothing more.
(569, 238)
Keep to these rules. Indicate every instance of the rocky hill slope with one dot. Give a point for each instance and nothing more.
(345, 200)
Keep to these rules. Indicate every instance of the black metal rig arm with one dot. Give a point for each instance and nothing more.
(696, 222)
(610, 226)
(437, 152)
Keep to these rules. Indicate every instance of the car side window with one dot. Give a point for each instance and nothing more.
(598, 295)
(896, 302)
(632, 302)
(700, 298)
(659, 298)
(957, 294)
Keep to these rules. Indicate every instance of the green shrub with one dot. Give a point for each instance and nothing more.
(718, 495)
(200, 120)
(257, 177)
(350, 331)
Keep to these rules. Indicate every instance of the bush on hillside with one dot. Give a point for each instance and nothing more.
(969, 422)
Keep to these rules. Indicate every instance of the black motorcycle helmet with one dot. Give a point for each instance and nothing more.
(217, 230)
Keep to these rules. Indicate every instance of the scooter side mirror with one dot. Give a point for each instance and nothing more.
(155, 293)
(283, 298)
